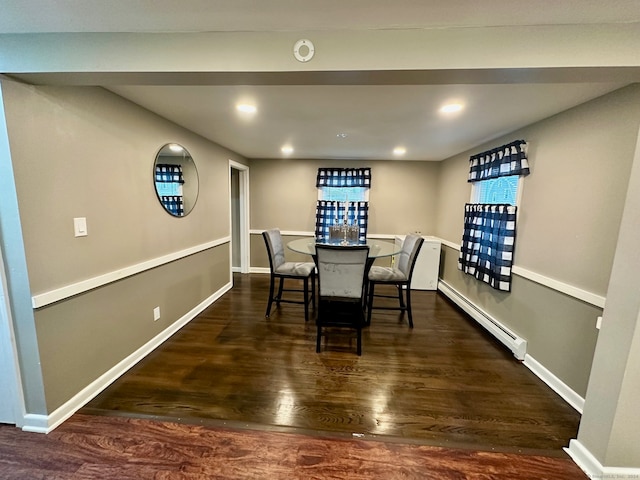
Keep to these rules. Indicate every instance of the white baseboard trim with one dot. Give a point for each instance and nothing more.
(515, 343)
(52, 296)
(259, 270)
(557, 385)
(46, 423)
(593, 468)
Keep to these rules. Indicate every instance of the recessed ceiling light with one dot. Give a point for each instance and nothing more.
(287, 149)
(342, 135)
(451, 108)
(174, 147)
(246, 108)
(398, 151)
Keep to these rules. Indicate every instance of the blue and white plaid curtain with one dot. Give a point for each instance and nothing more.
(169, 173)
(488, 238)
(331, 213)
(166, 173)
(174, 204)
(488, 243)
(343, 177)
(509, 159)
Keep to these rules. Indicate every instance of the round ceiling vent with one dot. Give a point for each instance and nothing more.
(303, 50)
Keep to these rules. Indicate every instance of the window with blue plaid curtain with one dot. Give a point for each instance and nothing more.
(488, 238)
(334, 212)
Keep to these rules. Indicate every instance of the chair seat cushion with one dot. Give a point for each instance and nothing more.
(386, 274)
(299, 269)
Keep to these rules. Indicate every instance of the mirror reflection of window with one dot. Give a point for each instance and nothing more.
(176, 179)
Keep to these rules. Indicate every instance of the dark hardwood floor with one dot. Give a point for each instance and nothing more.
(236, 396)
(444, 383)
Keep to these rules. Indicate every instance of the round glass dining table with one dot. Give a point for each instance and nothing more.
(377, 248)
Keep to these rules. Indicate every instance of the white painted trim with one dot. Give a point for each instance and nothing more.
(46, 423)
(557, 385)
(449, 244)
(260, 270)
(52, 296)
(575, 292)
(245, 212)
(557, 285)
(294, 233)
(511, 340)
(286, 233)
(593, 468)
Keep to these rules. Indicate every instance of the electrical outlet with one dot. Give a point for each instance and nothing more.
(156, 314)
(599, 323)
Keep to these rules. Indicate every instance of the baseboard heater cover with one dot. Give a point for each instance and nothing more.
(513, 342)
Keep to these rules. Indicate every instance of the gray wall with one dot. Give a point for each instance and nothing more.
(85, 152)
(402, 198)
(568, 222)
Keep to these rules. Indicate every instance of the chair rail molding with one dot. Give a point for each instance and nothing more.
(46, 298)
(571, 290)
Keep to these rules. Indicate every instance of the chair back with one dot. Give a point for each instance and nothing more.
(409, 254)
(275, 248)
(341, 270)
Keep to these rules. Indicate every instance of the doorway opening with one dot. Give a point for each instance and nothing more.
(239, 216)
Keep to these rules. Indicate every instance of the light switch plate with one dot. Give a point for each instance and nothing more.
(80, 226)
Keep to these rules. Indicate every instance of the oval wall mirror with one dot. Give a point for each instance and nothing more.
(176, 179)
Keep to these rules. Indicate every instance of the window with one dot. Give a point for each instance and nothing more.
(165, 189)
(489, 231)
(497, 190)
(343, 197)
(343, 194)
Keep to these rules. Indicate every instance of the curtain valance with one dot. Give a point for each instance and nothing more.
(343, 177)
(509, 159)
(166, 173)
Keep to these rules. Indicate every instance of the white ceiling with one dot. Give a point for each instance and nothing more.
(375, 118)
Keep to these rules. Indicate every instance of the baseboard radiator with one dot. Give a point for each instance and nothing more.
(513, 342)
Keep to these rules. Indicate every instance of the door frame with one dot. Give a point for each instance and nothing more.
(243, 207)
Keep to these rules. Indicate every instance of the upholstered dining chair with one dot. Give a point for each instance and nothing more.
(399, 275)
(282, 270)
(341, 281)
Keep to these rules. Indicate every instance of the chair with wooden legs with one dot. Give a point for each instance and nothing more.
(282, 270)
(399, 275)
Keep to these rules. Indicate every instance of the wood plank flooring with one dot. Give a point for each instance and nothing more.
(102, 447)
(444, 383)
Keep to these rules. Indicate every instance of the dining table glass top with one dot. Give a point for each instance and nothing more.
(377, 248)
